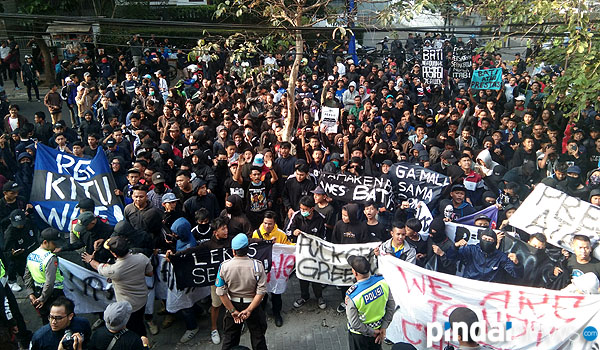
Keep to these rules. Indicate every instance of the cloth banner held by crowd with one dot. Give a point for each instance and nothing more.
(323, 262)
(432, 66)
(540, 318)
(484, 79)
(461, 63)
(61, 180)
(198, 267)
(491, 212)
(558, 216)
(358, 189)
(91, 292)
(411, 181)
(423, 214)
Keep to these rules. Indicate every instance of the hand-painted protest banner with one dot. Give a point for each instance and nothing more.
(359, 189)
(461, 63)
(491, 212)
(323, 262)
(329, 118)
(558, 216)
(432, 66)
(282, 265)
(423, 214)
(410, 181)
(91, 292)
(540, 318)
(484, 79)
(198, 267)
(61, 180)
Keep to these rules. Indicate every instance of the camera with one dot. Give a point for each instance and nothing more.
(68, 341)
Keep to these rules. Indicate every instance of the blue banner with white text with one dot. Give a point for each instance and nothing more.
(61, 180)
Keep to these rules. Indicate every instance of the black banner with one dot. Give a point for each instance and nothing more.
(461, 63)
(358, 189)
(410, 181)
(198, 267)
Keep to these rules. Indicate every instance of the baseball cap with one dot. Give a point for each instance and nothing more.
(133, 171)
(388, 162)
(220, 76)
(87, 74)
(259, 160)
(111, 142)
(11, 186)
(574, 169)
(116, 315)
(158, 178)
(458, 187)
(360, 264)
(520, 98)
(239, 241)
(482, 217)
(87, 204)
(449, 156)
(594, 192)
(83, 220)
(335, 155)
(147, 76)
(318, 190)
(169, 197)
(133, 70)
(17, 217)
(116, 244)
(50, 234)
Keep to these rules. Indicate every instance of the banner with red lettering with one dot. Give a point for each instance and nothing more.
(537, 318)
(282, 264)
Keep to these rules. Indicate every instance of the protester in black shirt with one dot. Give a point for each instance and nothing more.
(413, 227)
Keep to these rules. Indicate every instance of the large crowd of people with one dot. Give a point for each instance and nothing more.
(198, 161)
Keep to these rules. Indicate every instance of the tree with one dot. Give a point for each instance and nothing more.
(563, 35)
(288, 13)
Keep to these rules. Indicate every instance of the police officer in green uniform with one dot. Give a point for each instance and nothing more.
(43, 280)
(369, 306)
(241, 285)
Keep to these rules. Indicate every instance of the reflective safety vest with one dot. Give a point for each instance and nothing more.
(36, 263)
(370, 297)
(3, 278)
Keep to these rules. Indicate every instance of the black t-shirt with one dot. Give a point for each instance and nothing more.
(127, 341)
(378, 232)
(233, 187)
(257, 196)
(421, 247)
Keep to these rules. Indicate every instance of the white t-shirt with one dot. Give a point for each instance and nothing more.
(14, 123)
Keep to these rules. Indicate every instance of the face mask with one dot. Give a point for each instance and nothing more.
(221, 163)
(203, 227)
(229, 209)
(487, 246)
(572, 182)
(304, 213)
(151, 93)
(336, 163)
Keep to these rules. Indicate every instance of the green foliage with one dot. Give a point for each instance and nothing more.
(46, 7)
(566, 30)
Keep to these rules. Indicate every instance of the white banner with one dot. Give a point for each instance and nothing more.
(423, 214)
(320, 261)
(282, 265)
(91, 292)
(540, 318)
(330, 117)
(558, 216)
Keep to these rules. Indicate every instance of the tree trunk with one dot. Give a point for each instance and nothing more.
(288, 123)
(48, 69)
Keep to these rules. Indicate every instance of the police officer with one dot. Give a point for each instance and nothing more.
(369, 306)
(241, 285)
(43, 280)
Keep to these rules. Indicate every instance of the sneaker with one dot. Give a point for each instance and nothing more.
(99, 322)
(214, 336)
(152, 327)
(278, 320)
(388, 342)
(322, 304)
(15, 287)
(39, 100)
(341, 308)
(168, 321)
(299, 302)
(188, 335)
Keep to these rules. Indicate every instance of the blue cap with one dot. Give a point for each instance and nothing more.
(574, 169)
(239, 241)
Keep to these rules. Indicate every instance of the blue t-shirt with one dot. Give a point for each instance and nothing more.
(45, 339)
